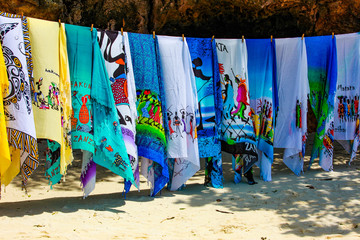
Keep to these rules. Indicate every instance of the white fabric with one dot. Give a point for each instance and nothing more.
(181, 100)
(293, 86)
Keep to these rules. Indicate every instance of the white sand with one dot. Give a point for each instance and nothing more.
(286, 208)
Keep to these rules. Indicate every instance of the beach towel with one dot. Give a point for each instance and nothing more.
(346, 120)
(263, 94)
(150, 132)
(238, 136)
(182, 107)
(322, 74)
(79, 47)
(112, 45)
(44, 37)
(293, 89)
(18, 111)
(5, 160)
(109, 143)
(205, 67)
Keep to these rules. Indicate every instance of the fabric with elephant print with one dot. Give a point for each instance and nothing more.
(17, 102)
(118, 66)
(237, 130)
(322, 74)
(263, 99)
(181, 100)
(346, 120)
(150, 132)
(293, 90)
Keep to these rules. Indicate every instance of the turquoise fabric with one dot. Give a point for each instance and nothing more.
(109, 143)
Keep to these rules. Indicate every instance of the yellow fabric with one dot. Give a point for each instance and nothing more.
(14, 168)
(66, 155)
(5, 160)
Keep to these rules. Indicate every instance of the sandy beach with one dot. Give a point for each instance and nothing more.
(316, 205)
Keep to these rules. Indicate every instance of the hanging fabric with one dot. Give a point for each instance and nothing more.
(112, 45)
(293, 89)
(150, 133)
(322, 74)
(238, 136)
(263, 99)
(109, 143)
(18, 111)
(79, 47)
(206, 71)
(346, 121)
(5, 160)
(44, 37)
(181, 100)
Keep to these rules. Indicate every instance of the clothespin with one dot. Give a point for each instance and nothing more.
(333, 35)
(22, 14)
(92, 27)
(212, 38)
(302, 37)
(242, 38)
(271, 37)
(154, 34)
(183, 37)
(122, 29)
(59, 22)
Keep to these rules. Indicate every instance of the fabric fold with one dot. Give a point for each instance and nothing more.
(238, 136)
(346, 120)
(112, 45)
(205, 68)
(181, 99)
(322, 74)
(293, 89)
(150, 132)
(18, 110)
(262, 79)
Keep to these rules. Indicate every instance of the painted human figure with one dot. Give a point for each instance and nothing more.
(170, 128)
(177, 124)
(229, 97)
(241, 98)
(298, 114)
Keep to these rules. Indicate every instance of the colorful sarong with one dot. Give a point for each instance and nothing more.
(206, 71)
(79, 46)
(238, 136)
(293, 89)
(44, 37)
(263, 94)
(18, 109)
(322, 74)
(5, 160)
(346, 120)
(150, 133)
(181, 100)
(112, 45)
(110, 147)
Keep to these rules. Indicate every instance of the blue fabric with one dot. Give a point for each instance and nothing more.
(150, 132)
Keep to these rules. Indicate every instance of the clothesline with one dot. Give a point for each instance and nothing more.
(125, 98)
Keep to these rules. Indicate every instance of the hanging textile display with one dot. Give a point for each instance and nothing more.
(79, 47)
(322, 74)
(44, 37)
(181, 100)
(66, 155)
(109, 143)
(5, 160)
(18, 111)
(238, 136)
(112, 45)
(346, 121)
(293, 89)
(150, 132)
(88, 173)
(206, 71)
(263, 99)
